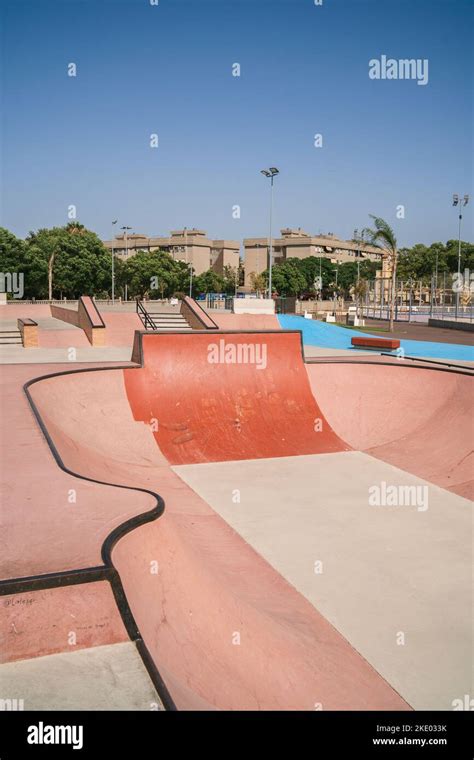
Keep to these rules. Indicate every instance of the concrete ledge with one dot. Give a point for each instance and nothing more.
(389, 344)
(451, 324)
(29, 332)
(86, 317)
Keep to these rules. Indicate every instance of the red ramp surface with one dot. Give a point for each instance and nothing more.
(226, 396)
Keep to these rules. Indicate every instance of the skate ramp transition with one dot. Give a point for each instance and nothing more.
(192, 400)
(228, 395)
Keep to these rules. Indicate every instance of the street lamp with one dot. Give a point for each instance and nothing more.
(125, 229)
(457, 201)
(271, 174)
(113, 264)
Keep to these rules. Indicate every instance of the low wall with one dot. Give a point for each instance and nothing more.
(451, 325)
(253, 306)
(65, 315)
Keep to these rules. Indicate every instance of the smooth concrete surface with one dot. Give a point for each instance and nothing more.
(312, 351)
(415, 418)
(38, 623)
(386, 570)
(211, 584)
(251, 397)
(110, 677)
(18, 355)
(225, 630)
(50, 520)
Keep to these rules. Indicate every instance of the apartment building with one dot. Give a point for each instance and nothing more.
(294, 243)
(189, 245)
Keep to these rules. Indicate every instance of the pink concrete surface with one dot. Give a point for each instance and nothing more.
(74, 338)
(120, 327)
(210, 584)
(43, 530)
(416, 419)
(37, 623)
(232, 411)
(14, 311)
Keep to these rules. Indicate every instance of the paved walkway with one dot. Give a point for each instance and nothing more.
(325, 335)
(419, 331)
(110, 677)
(71, 355)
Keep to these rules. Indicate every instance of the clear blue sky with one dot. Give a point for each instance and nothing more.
(167, 69)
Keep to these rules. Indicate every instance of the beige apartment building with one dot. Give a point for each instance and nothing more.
(189, 245)
(294, 243)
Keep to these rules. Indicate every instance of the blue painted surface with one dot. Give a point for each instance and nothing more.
(331, 336)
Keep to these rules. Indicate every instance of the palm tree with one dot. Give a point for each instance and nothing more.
(383, 237)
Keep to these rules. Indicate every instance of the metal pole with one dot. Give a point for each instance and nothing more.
(459, 258)
(113, 264)
(444, 294)
(271, 242)
(113, 274)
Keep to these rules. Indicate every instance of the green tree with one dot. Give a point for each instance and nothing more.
(209, 282)
(231, 278)
(153, 274)
(288, 279)
(258, 281)
(78, 261)
(15, 256)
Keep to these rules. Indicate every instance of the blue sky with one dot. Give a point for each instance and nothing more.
(167, 69)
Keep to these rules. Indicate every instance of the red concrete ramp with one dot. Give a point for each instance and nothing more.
(227, 395)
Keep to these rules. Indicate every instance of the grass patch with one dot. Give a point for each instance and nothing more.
(363, 329)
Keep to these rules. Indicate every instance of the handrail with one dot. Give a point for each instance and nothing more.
(144, 316)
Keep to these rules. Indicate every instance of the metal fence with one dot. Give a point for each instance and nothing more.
(417, 301)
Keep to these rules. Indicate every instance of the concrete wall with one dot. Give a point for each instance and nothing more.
(253, 306)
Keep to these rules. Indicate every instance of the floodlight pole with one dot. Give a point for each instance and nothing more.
(462, 202)
(271, 173)
(113, 264)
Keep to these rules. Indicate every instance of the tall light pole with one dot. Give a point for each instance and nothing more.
(113, 264)
(271, 173)
(125, 230)
(457, 201)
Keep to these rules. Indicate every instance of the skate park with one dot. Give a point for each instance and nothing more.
(192, 528)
